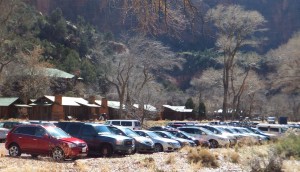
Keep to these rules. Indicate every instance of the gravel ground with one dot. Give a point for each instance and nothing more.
(157, 162)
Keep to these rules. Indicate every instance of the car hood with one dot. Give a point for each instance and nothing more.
(72, 139)
(115, 136)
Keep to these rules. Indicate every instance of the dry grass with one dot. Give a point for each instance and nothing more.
(171, 159)
(203, 156)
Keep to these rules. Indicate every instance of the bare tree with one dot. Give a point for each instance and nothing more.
(287, 63)
(131, 71)
(29, 79)
(235, 28)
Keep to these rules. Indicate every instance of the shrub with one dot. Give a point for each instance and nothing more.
(204, 156)
(234, 157)
(273, 163)
(289, 145)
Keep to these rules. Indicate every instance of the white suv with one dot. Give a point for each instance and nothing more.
(133, 124)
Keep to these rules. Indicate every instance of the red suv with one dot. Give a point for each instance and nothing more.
(44, 140)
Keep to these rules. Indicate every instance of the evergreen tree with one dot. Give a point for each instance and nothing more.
(189, 104)
(201, 111)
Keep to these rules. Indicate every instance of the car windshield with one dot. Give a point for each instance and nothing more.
(57, 132)
(1, 125)
(102, 129)
(206, 131)
(153, 135)
(230, 130)
(169, 135)
(130, 133)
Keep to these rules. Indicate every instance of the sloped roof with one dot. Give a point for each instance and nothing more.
(57, 73)
(73, 101)
(178, 108)
(7, 101)
(111, 104)
(147, 107)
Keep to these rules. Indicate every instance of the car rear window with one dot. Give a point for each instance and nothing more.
(137, 124)
(25, 130)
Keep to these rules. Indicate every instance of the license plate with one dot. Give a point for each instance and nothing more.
(84, 149)
(129, 150)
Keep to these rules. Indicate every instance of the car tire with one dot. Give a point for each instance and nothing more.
(106, 150)
(158, 147)
(14, 150)
(214, 144)
(58, 154)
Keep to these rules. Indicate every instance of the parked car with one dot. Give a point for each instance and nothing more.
(183, 142)
(161, 128)
(177, 124)
(45, 123)
(276, 129)
(258, 131)
(100, 139)
(11, 124)
(185, 135)
(215, 140)
(271, 119)
(44, 140)
(232, 138)
(133, 124)
(160, 144)
(3, 132)
(142, 144)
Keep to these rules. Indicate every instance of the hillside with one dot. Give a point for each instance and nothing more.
(282, 17)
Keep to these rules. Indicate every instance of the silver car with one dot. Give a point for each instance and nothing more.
(160, 144)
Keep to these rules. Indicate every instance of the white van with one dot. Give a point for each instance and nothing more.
(276, 129)
(133, 124)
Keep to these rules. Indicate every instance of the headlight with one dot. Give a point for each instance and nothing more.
(119, 142)
(170, 143)
(71, 145)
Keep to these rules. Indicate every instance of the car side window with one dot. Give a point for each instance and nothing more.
(115, 122)
(40, 132)
(126, 123)
(25, 130)
(88, 130)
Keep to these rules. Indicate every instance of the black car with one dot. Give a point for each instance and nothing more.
(101, 141)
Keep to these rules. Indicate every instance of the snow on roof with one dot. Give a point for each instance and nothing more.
(111, 104)
(178, 108)
(73, 101)
(7, 101)
(147, 107)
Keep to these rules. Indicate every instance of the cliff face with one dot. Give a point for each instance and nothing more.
(282, 16)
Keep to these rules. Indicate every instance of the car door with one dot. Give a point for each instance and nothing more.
(25, 138)
(42, 141)
(89, 135)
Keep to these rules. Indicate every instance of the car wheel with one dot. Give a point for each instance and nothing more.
(58, 154)
(158, 148)
(214, 144)
(106, 150)
(14, 150)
